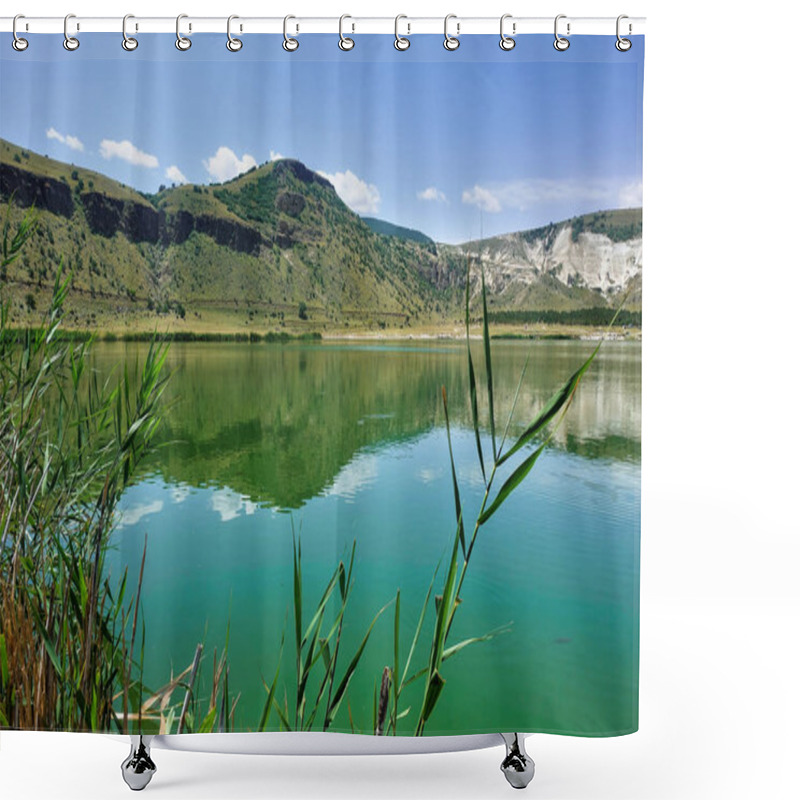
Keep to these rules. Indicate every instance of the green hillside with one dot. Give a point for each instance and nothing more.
(274, 249)
(390, 229)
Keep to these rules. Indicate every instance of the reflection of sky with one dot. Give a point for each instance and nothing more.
(229, 504)
(132, 514)
(565, 545)
(353, 477)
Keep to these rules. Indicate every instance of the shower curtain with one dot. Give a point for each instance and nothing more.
(321, 384)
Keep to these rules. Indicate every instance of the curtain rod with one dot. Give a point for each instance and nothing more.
(407, 25)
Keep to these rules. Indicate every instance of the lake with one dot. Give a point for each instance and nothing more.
(343, 442)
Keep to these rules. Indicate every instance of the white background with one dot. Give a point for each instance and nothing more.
(720, 601)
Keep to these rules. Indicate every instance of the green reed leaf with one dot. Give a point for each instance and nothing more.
(418, 630)
(473, 389)
(456, 493)
(351, 667)
(432, 694)
(551, 408)
(487, 349)
(516, 477)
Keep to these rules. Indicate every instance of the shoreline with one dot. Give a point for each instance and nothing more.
(422, 334)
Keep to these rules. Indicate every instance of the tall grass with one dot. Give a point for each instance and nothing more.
(69, 445)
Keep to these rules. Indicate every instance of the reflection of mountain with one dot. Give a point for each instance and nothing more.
(279, 424)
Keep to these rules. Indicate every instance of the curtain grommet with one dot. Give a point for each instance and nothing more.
(561, 43)
(290, 44)
(507, 43)
(451, 43)
(183, 43)
(18, 43)
(129, 43)
(401, 43)
(345, 42)
(622, 44)
(71, 43)
(233, 44)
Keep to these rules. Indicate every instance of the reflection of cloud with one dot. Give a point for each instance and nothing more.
(473, 476)
(353, 477)
(130, 516)
(179, 493)
(228, 504)
(430, 474)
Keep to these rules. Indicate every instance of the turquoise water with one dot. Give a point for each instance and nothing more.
(346, 442)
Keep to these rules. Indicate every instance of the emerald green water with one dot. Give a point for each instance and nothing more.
(346, 442)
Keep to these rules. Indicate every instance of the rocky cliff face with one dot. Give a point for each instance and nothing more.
(138, 222)
(593, 261)
(177, 227)
(601, 253)
(36, 190)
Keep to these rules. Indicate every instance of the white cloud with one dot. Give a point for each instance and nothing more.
(362, 197)
(127, 151)
(433, 194)
(175, 175)
(483, 198)
(523, 194)
(225, 164)
(274, 155)
(73, 142)
(630, 195)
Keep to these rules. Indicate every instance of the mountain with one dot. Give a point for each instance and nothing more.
(246, 252)
(390, 229)
(583, 262)
(276, 248)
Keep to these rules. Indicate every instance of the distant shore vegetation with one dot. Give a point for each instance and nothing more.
(599, 316)
(21, 334)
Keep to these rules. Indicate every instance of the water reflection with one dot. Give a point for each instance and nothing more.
(280, 425)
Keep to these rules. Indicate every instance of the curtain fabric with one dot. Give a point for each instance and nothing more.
(355, 444)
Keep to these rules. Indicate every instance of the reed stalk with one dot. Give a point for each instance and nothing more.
(69, 446)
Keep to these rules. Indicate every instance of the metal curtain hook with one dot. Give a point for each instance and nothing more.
(561, 44)
(400, 42)
(289, 44)
(345, 43)
(70, 42)
(18, 43)
(451, 42)
(128, 42)
(233, 44)
(181, 42)
(506, 42)
(622, 44)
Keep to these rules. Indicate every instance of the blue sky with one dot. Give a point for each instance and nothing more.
(449, 143)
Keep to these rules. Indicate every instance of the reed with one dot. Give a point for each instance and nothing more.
(538, 434)
(319, 686)
(69, 445)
